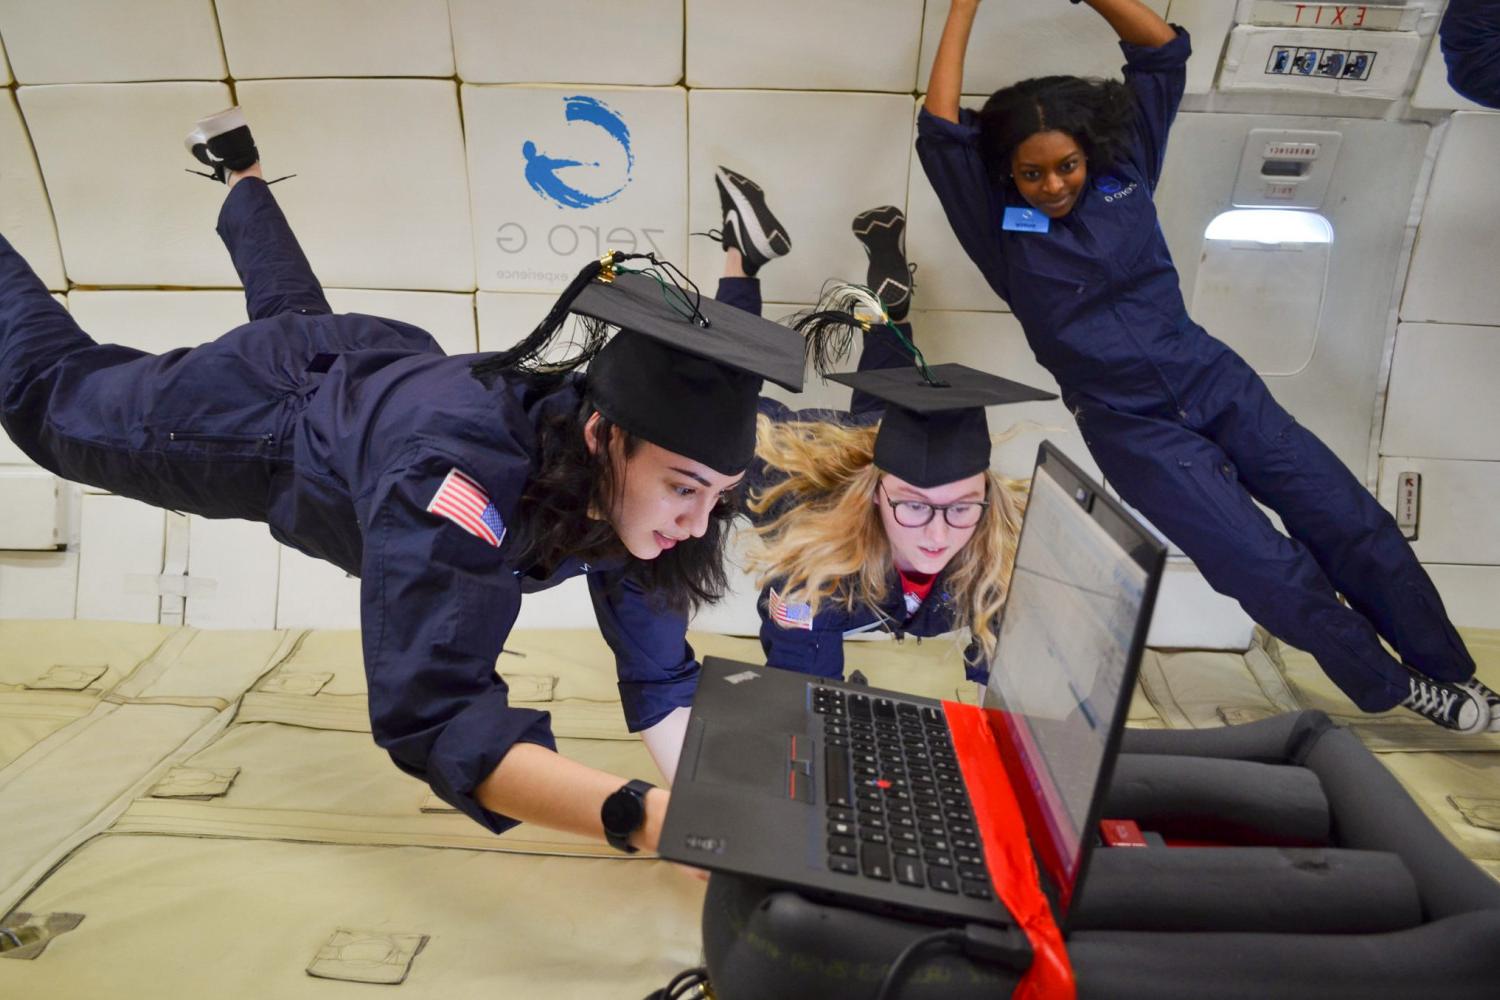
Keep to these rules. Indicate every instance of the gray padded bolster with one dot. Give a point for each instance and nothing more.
(1207, 798)
(1248, 889)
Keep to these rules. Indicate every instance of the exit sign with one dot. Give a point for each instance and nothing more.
(1349, 16)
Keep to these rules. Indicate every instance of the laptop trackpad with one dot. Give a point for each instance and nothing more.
(757, 761)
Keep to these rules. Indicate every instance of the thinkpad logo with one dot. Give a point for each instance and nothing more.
(740, 678)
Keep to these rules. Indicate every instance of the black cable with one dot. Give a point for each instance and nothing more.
(887, 984)
(681, 985)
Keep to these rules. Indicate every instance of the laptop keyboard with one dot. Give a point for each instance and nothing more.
(896, 804)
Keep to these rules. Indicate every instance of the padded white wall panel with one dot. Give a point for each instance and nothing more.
(1441, 402)
(564, 606)
(35, 509)
(232, 568)
(1016, 39)
(829, 45)
(312, 593)
(38, 584)
(1457, 522)
(1208, 21)
(1368, 203)
(141, 221)
(83, 41)
(624, 189)
(507, 317)
(1471, 594)
(380, 199)
(1452, 276)
(447, 316)
(834, 155)
(1192, 615)
(5, 77)
(25, 213)
(279, 38)
(120, 559)
(946, 277)
(569, 41)
(154, 321)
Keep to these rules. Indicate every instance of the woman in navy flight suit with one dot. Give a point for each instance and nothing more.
(809, 462)
(1048, 189)
(360, 443)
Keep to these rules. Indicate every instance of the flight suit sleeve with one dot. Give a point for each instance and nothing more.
(1470, 39)
(437, 605)
(657, 669)
(949, 152)
(1157, 77)
(818, 650)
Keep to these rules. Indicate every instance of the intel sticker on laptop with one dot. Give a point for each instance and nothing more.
(1025, 220)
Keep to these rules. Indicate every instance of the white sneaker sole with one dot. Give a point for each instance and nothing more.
(216, 124)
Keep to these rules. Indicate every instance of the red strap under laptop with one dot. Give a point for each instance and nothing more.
(1007, 852)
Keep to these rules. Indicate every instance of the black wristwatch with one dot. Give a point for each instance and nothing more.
(623, 813)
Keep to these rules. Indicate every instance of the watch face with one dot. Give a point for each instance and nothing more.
(622, 813)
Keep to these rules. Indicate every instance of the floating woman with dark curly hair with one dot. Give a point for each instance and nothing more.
(452, 486)
(1048, 188)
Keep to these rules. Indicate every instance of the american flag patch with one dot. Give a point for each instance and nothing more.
(461, 501)
(790, 615)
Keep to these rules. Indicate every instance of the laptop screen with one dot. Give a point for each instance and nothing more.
(1064, 658)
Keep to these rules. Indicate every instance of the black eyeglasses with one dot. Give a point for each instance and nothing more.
(917, 514)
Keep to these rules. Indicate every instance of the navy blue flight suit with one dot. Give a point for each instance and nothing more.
(1470, 38)
(338, 430)
(819, 649)
(1183, 428)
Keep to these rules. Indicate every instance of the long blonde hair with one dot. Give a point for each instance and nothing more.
(826, 541)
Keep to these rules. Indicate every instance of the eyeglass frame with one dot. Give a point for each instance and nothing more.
(933, 508)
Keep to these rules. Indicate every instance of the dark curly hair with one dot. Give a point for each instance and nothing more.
(554, 519)
(1098, 114)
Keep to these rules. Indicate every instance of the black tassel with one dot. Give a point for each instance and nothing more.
(829, 337)
(526, 357)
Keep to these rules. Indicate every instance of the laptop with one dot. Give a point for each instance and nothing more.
(853, 795)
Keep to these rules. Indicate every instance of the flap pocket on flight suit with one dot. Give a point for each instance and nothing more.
(64, 677)
(1483, 813)
(201, 783)
(367, 956)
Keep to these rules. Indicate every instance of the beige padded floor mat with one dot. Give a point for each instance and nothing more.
(213, 805)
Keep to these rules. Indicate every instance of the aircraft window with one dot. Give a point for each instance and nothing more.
(1261, 284)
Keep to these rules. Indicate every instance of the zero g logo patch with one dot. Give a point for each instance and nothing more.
(1113, 188)
(544, 172)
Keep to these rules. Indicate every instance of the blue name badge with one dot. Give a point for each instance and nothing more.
(1025, 220)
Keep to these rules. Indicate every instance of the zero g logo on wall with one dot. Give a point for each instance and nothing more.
(558, 176)
(567, 181)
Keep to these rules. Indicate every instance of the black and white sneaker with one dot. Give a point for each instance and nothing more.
(882, 232)
(1489, 696)
(222, 143)
(1451, 706)
(749, 226)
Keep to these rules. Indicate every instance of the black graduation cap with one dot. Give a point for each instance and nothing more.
(934, 430)
(684, 372)
(686, 379)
